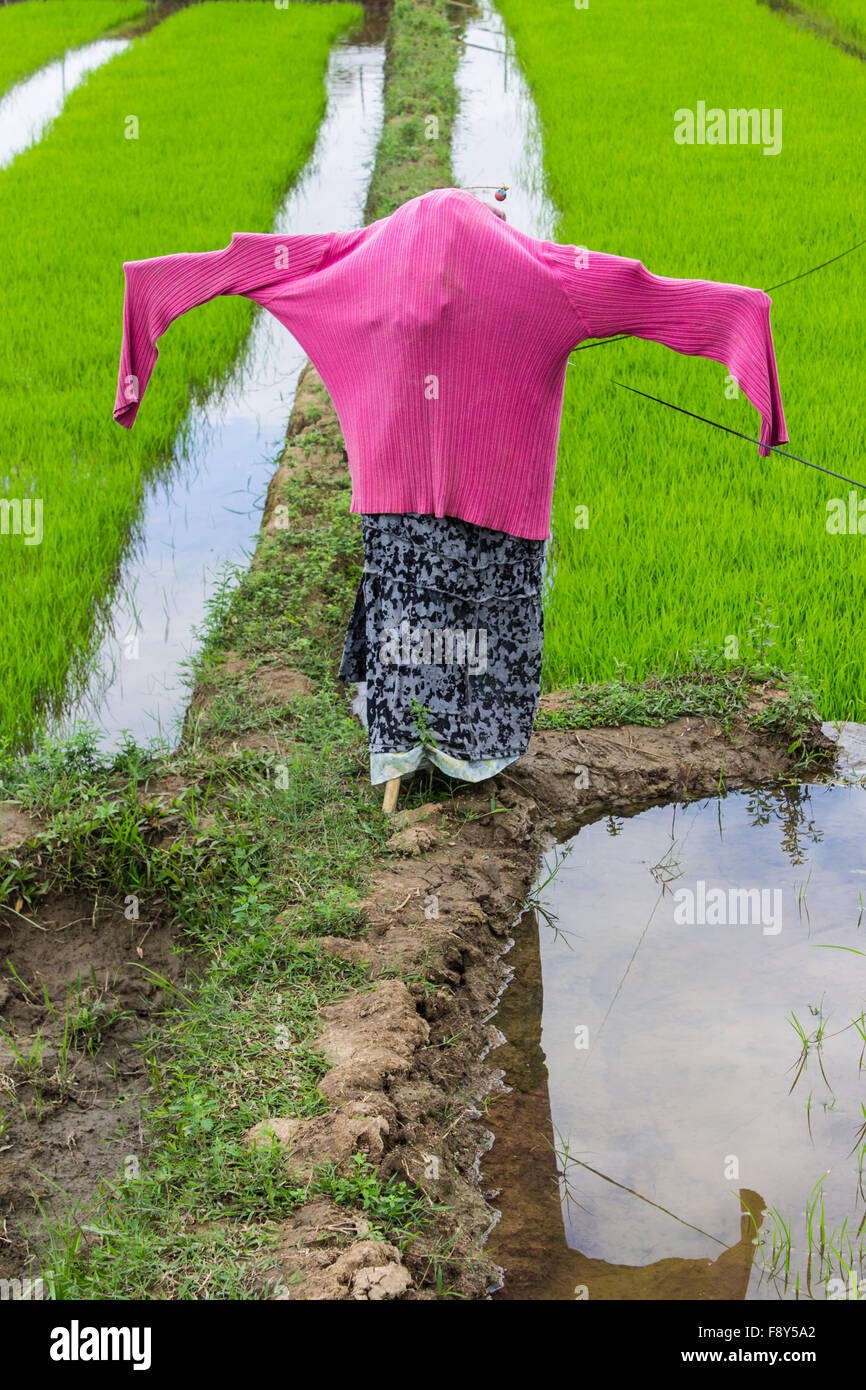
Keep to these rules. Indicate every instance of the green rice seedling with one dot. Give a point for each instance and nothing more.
(860, 1147)
(442, 1249)
(773, 1244)
(804, 1048)
(687, 524)
(816, 1196)
(807, 1042)
(542, 907)
(667, 869)
(28, 991)
(829, 1254)
(37, 32)
(30, 1058)
(566, 1160)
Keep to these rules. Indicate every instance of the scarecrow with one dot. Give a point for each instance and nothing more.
(443, 335)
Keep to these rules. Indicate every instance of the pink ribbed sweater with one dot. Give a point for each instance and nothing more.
(442, 335)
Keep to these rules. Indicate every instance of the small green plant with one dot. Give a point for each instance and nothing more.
(421, 724)
(393, 1203)
(809, 1042)
(760, 642)
(89, 1014)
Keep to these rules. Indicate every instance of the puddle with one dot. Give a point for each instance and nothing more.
(657, 1092)
(30, 106)
(206, 514)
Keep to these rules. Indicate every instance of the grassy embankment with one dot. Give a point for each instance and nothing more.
(39, 31)
(274, 846)
(845, 19)
(208, 91)
(693, 540)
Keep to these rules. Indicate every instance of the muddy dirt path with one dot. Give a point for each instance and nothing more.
(79, 984)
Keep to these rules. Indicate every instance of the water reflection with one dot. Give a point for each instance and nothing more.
(673, 1054)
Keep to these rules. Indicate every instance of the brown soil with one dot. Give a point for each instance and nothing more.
(80, 968)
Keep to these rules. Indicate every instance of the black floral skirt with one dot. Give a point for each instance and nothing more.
(446, 633)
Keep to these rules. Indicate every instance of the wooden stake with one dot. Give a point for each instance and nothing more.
(392, 791)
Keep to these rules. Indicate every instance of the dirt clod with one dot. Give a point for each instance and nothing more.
(322, 1139)
(369, 1270)
(370, 1039)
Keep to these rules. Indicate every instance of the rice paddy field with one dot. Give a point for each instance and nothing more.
(693, 541)
(38, 31)
(200, 126)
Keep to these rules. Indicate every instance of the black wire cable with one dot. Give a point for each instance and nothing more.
(601, 342)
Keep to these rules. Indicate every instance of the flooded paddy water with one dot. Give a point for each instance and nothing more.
(683, 1039)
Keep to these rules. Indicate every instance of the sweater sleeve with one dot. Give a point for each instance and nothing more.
(705, 318)
(255, 264)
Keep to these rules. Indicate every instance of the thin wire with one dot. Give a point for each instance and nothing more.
(650, 1202)
(625, 973)
(602, 342)
(728, 430)
(816, 267)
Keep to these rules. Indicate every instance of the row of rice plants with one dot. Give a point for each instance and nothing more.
(191, 134)
(39, 31)
(688, 533)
